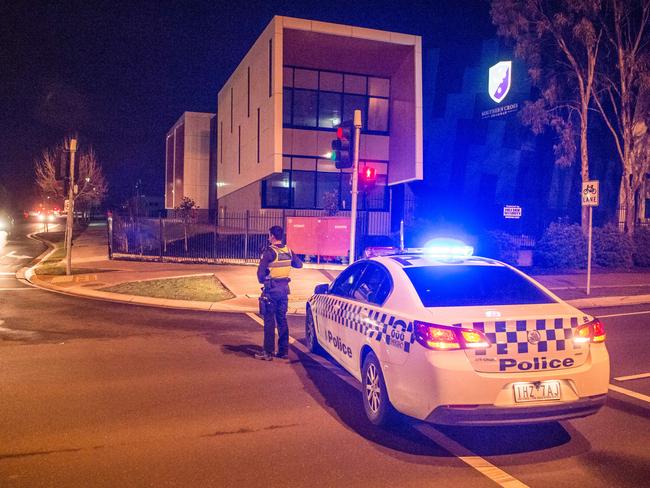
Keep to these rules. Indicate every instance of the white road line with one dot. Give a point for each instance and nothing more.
(261, 322)
(7, 273)
(633, 377)
(623, 314)
(630, 393)
(18, 289)
(633, 285)
(481, 465)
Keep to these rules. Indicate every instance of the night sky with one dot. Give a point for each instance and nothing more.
(120, 74)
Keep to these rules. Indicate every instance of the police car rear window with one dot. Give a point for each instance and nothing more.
(466, 286)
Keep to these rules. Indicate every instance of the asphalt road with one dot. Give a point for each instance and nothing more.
(100, 394)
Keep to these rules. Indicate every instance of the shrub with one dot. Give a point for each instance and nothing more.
(561, 246)
(642, 247)
(612, 248)
(500, 245)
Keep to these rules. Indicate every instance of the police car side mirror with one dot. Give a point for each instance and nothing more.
(321, 289)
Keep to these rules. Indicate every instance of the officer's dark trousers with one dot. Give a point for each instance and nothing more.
(276, 314)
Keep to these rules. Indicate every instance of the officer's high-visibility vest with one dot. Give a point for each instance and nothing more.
(280, 267)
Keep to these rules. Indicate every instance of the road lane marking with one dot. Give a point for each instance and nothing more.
(261, 322)
(633, 377)
(480, 464)
(18, 289)
(623, 314)
(633, 285)
(13, 255)
(630, 393)
(7, 273)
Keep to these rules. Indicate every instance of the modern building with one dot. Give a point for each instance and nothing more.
(480, 161)
(189, 167)
(278, 111)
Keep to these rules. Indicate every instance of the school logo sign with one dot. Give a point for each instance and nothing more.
(500, 80)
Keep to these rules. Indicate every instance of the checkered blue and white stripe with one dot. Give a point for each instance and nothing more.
(512, 337)
(366, 320)
(506, 337)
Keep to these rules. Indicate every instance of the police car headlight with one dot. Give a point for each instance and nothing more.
(593, 331)
(445, 338)
(41, 218)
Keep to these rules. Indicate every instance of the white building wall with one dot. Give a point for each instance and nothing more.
(196, 162)
(237, 161)
(238, 164)
(196, 182)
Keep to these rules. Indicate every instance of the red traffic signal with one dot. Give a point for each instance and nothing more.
(343, 146)
(368, 174)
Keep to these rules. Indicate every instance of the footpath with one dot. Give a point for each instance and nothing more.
(93, 272)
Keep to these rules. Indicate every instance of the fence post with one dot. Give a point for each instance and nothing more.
(110, 236)
(284, 224)
(214, 236)
(161, 237)
(248, 216)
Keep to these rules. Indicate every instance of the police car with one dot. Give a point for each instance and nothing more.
(450, 338)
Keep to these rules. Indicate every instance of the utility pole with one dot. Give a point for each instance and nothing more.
(355, 183)
(69, 222)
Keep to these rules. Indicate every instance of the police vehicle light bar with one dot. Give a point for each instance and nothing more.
(444, 338)
(440, 248)
(443, 247)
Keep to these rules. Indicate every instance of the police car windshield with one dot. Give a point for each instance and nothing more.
(466, 286)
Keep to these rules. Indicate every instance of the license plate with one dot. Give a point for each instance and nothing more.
(537, 391)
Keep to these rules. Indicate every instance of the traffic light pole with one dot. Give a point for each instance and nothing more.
(70, 220)
(355, 183)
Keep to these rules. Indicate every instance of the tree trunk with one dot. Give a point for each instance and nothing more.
(584, 168)
(626, 210)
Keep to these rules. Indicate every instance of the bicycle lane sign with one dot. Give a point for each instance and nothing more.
(590, 193)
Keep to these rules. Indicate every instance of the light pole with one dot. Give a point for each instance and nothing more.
(355, 184)
(68, 227)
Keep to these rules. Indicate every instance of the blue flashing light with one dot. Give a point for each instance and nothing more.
(447, 248)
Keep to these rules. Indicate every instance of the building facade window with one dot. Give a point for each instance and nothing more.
(305, 183)
(317, 99)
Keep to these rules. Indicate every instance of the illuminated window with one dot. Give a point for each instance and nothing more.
(378, 114)
(307, 182)
(324, 99)
(329, 108)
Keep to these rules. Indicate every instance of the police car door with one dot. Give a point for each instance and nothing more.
(370, 293)
(341, 316)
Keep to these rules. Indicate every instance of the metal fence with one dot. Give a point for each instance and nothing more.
(234, 237)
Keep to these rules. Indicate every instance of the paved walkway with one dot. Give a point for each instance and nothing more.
(90, 254)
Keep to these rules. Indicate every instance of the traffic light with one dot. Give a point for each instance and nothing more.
(367, 178)
(343, 146)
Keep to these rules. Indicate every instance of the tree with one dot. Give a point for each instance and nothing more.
(624, 99)
(186, 211)
(560, 41)
(91, 184)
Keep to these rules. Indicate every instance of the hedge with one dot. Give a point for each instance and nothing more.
(561, 246)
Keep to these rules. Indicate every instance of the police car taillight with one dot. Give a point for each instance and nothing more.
(593, 331)
(444, 338)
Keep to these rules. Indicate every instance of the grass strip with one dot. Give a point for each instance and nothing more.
(195, 288)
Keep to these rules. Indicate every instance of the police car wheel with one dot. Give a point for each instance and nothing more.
(375, 396)
(310, 333)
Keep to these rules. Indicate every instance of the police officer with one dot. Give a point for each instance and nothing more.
(273, 272)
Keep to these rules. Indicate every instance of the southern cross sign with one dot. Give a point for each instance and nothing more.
(500, 80)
